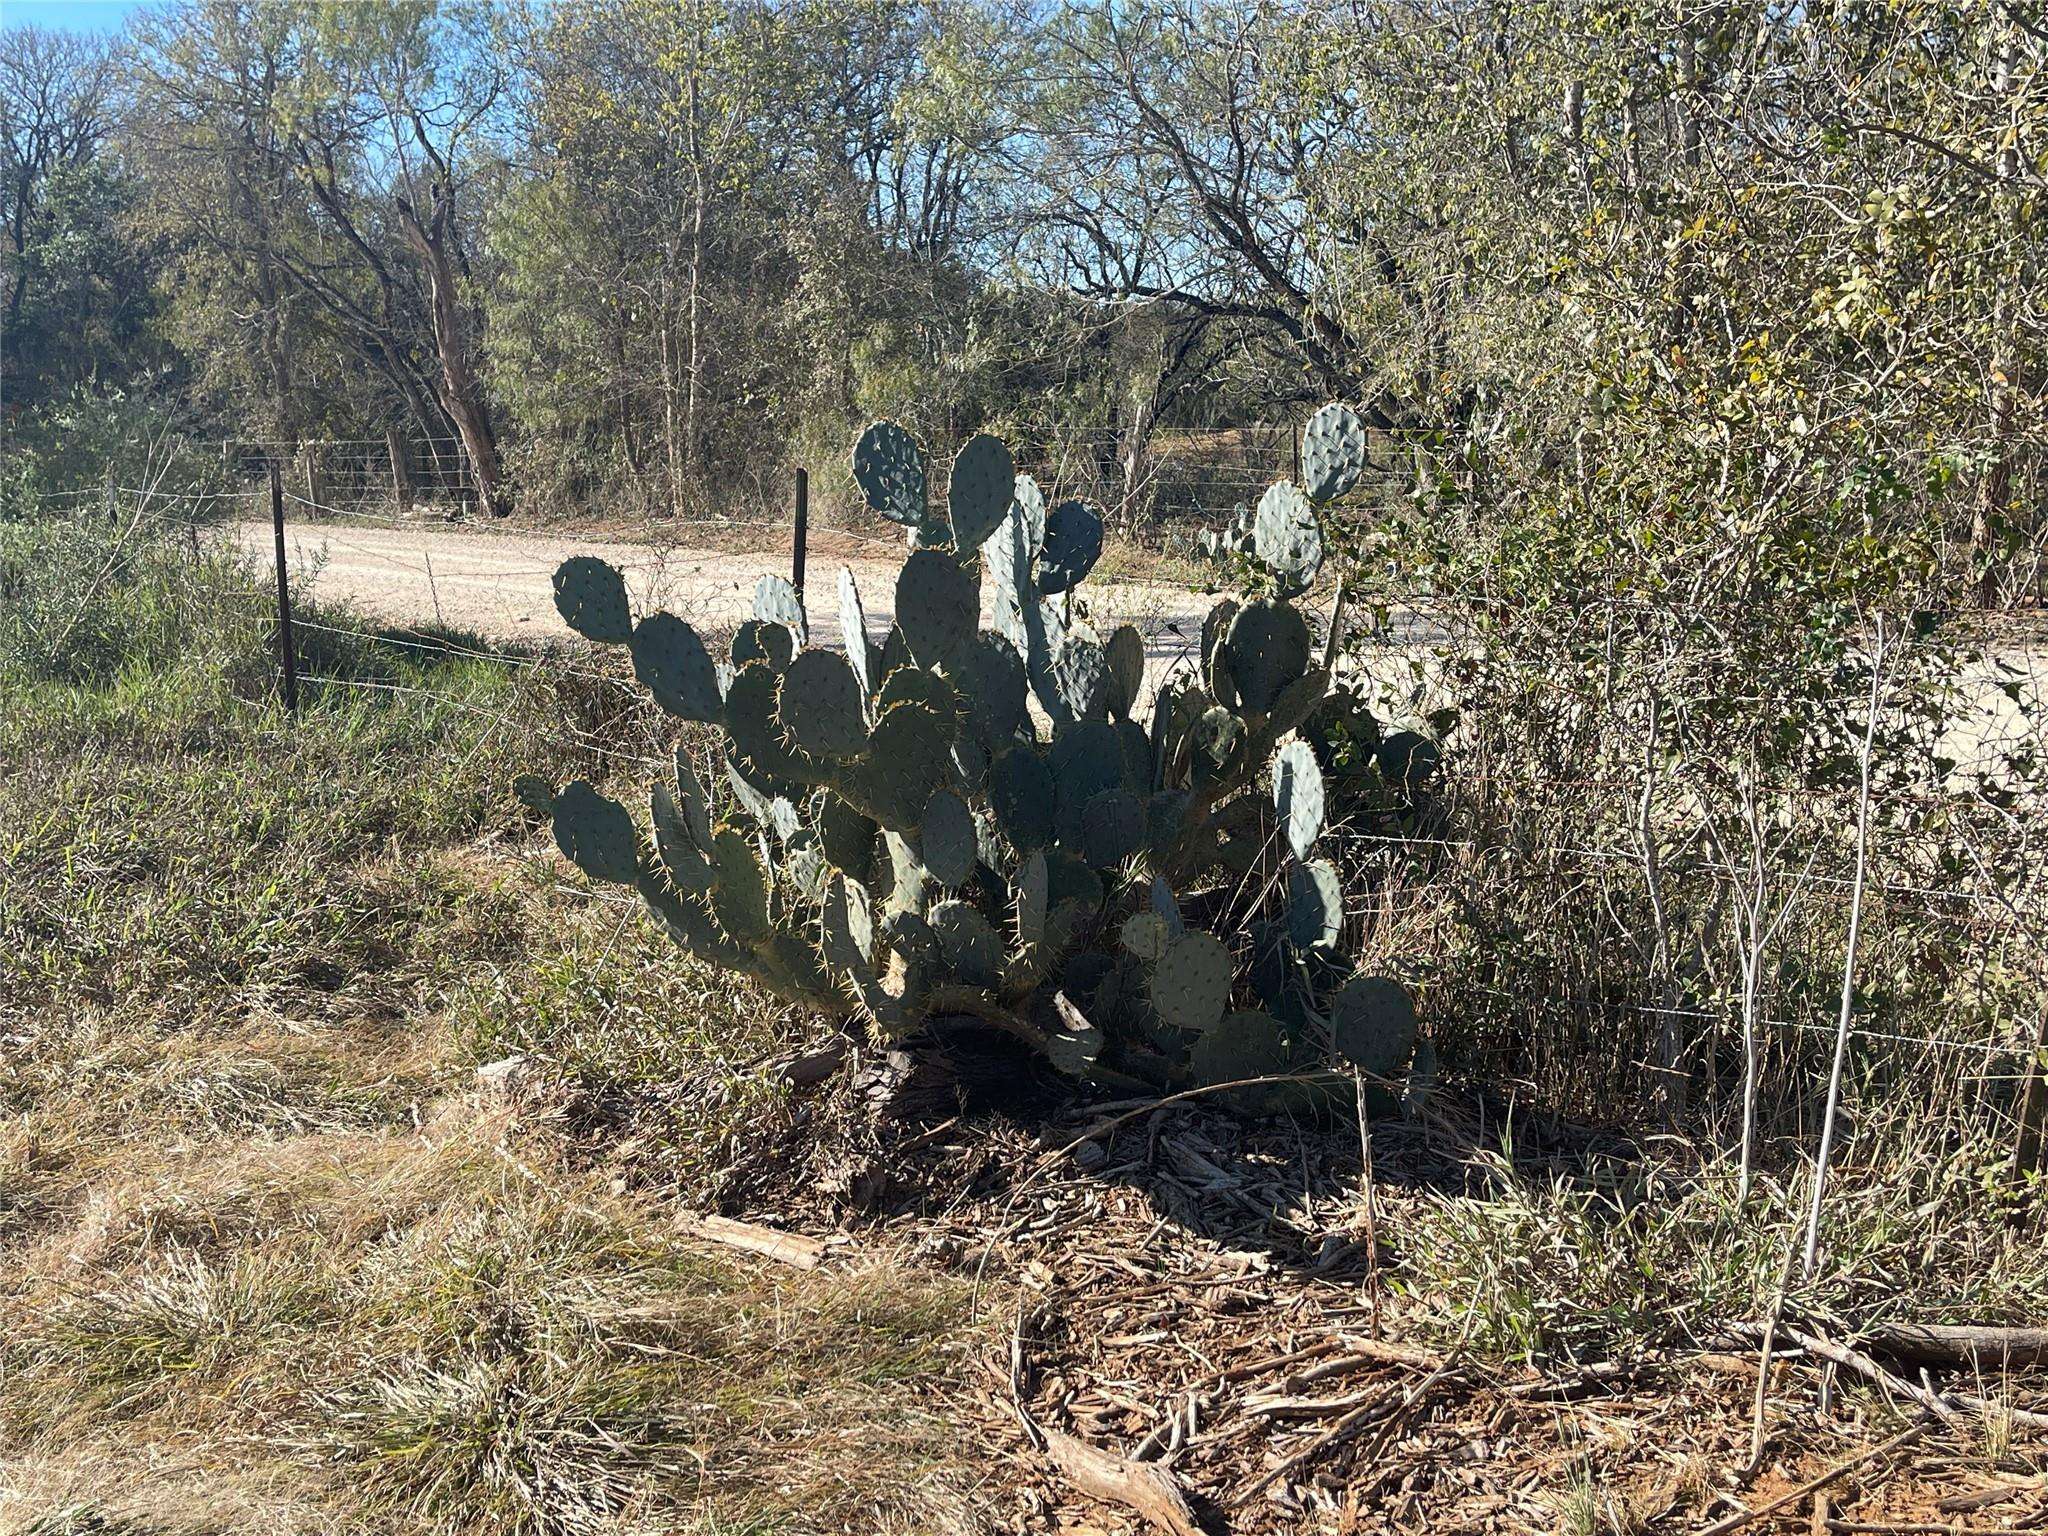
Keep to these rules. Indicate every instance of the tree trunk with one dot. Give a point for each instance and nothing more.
(460, 393)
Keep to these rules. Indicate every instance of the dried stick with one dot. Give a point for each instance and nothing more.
(1827, 1128)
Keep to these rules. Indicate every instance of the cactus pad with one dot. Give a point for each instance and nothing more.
(1086, 759)
(1332, 452)
(1287, 539)
(973, 949)
(1315, 903)
(1145, 935)
(535, 793)
(1268, 648)
(991, 678)
(596, 834)
(984, 484)
(946, 838)
(759, 640)
(1216, 655)
(686, 859)
(853, 630)
(1239, 1049)
(1298, 796)
(1020, 788)
(776, 602)
(1027, 505)
(819, 704)
(1073, 543)
(1126, 655)
(1372, 1024)
(1112, 828)
(754, 734)
(908, 756)
(590, 595)
(847, 836)
(1191, 983)
(1081, 679)
(1034, 892)
(739, 896)
(671, 663)
(937, 606)
(848, 924)
(888, 466)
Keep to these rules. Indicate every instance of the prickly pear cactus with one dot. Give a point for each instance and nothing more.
(1025, 826)
(1283, 539)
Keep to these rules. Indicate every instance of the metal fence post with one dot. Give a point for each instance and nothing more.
(285, 649)
(803, 528)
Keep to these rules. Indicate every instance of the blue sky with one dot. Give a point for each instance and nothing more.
(78, 15)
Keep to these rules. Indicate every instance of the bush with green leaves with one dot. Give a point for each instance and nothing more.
(1007, 826)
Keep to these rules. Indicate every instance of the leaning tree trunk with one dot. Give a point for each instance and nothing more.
(461, 395)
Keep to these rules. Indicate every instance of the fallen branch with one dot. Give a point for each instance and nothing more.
(791, 1248)
(1144, 1486)
(1942, 1406)
(1962, 1345)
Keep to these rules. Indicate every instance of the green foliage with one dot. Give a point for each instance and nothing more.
(1070, 884)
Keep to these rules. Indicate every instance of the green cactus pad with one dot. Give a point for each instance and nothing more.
(590, 595)
(847, 926)
(1085, 760)
(853, 630)
(759, 640)
(693, 801)
(754, 733)
(1298, 796)
(888, 466)
(984, 484)
(1034, 893)
(1027, 505)
(946, 838)
(776, 602)
(909, 754)
(671, 663)
(687, 860)
(1070, 880)
(1408, 760)
(1191, 982)
(893, 658)
(1332, 452)
(1216, 676)
(1080, 676)
(1315, 903)
(1268, 648)
(1020, 789)
(971, 945)
(1145, 935)
(991, 678)
(1372, 1024)
(1165, 814)
(937, 607)
(1007, 555)
(847, 836)
(1073, 543)
(1073, 1049)
(535, 793)
(1112, 828)
(912, 684)
(596, 834)
(739, 897)
(1126, 654)
(1241, 1048)
(757, 802)
(1161, 900)
(970, 765)
(1287, 538)
(819, 705)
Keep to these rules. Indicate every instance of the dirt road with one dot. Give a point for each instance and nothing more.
(499, 584)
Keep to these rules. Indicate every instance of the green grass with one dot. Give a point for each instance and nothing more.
(260, 1232)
